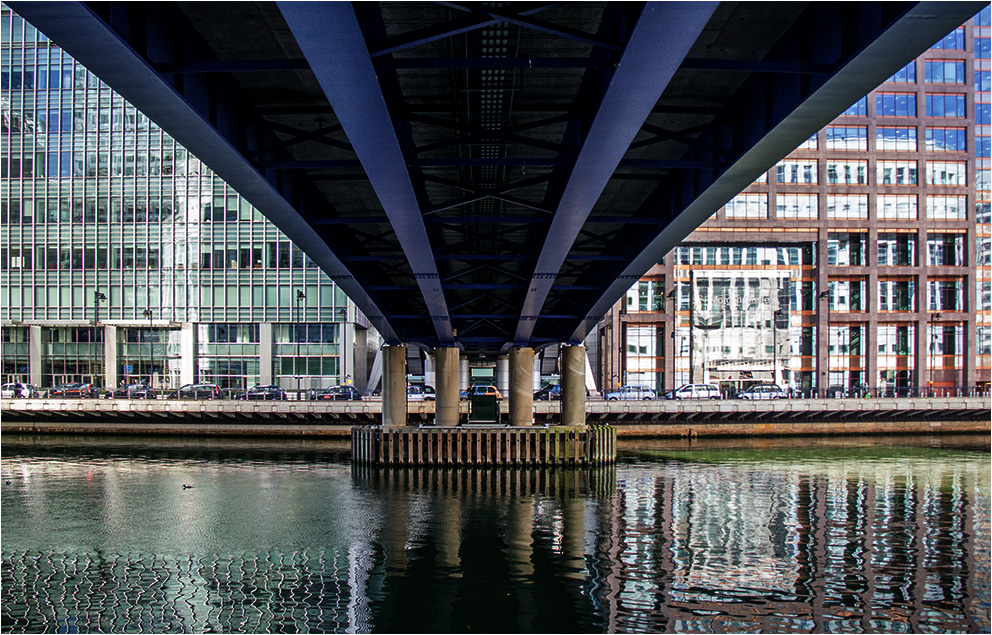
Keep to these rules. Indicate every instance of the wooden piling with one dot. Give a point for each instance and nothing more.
(565, 446)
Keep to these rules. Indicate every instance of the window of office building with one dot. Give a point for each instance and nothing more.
(947, 207)
(307, 354)
(149, 355)
(14, 354)
(897, 294)
(947, 140)
(645, 358)
(946, 342)
(946, 105)
(983, 345)
(796, 205)
(857, 109)
(952, 41)
(809, 144)
(983, 116)
(896, 345)
(847, 206)
(896, 250)
(905, 75)
(846, 137)
(895, 104)
(845, 356)
(895, 172)
(983, 48)
(748, 206)
(646, 295)
(846, 249)
(943, 71)
(848, 295)
(952, 173)
(983, 250)
(735, 255)
(72, 355)
(895, 139)
(897, 206)
(847, 172)
(983, 213)
(945, 250)
(796, 171)
(945, 294)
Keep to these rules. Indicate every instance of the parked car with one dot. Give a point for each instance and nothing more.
(420, 393)
(135, 391)
(198, 391)
(763, 391)
(17, 390)
(697, 391)
(481, 390)
(340, 393)
(549, 392)
(73, 391)
(263, 393)
(630, 393)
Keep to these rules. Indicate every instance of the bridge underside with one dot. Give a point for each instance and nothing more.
(480, 176)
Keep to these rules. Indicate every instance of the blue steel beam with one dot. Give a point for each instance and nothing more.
(694, 199)
(331, 39)
(659, 42)
(200, 120)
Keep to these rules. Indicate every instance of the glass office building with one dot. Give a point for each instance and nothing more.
(125, 259)
(861, 260)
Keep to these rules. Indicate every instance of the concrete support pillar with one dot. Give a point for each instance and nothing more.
(187, 354)
(430, 370)
(464, 374)
(34, 355)
(394, 386)
(265, 344)
(521, 386)
(347, 354)
(110, 364)
(446, 375)
(573, 385)
(503, 374)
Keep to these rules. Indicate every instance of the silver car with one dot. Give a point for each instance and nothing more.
(763, 391)
(697, 391)
(632, 393)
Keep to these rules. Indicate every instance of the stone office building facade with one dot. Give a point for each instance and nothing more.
(860, 261)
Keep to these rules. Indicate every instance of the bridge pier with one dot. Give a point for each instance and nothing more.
(394, 386)
(446, 368)
(573, 386)
(521, 386)
(446, 443)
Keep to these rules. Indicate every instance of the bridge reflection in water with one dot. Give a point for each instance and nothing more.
(276, 537)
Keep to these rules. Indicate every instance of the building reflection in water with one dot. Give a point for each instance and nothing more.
(293, 540)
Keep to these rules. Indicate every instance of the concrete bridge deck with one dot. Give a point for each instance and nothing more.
(632, 419)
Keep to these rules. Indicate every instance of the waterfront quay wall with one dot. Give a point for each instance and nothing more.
(632, 419)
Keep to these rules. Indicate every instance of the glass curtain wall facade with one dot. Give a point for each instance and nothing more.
(860, 262)
(125, 259)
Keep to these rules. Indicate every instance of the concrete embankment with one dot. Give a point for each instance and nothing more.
(646, 419)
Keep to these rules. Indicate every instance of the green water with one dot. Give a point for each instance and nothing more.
(161, 535)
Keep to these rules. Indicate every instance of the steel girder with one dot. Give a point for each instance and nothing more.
(469, 171)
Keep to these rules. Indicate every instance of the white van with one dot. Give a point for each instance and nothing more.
(697, 391)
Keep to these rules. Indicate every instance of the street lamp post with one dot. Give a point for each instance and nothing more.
(775, 317)
(151, 349)
(299, 298)
(825, 374)
(98, 297)
(933, 347)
